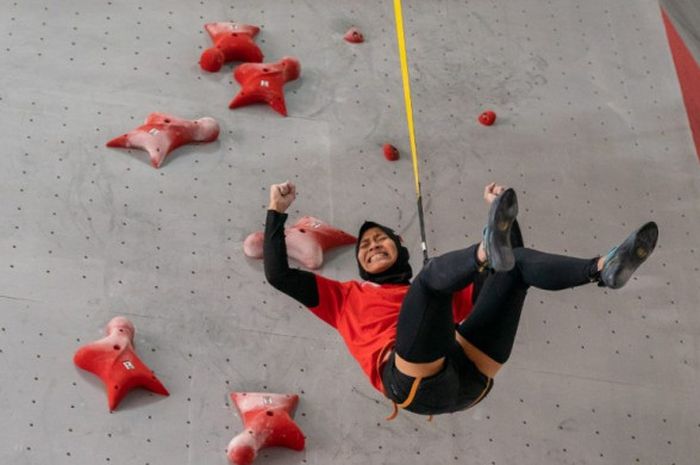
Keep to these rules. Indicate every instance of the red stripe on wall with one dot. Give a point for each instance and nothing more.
(689, 77)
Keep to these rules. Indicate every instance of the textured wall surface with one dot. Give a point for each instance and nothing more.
(591, 132)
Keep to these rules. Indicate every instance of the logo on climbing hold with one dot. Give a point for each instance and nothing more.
(128, 365)
(153, 132)
(264, 83)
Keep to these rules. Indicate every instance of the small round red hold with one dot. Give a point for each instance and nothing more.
(354, 36)
(487, 118)
(391, 153)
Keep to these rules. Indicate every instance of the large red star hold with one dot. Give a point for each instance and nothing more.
(306, 241)
(114, 360)
(232, 42)
(264, 82)
(267, 419)
(162, 133)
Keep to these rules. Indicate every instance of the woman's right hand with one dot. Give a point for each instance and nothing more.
(282, 196)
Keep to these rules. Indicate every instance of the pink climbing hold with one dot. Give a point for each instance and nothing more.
(306, 241)
(391, 153)
(232, 42)
(264, 82)
(161, 134)
(354, 36)
(113, 359)
(487, 118)
(268, 422)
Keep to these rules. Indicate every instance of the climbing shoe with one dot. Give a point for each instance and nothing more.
(621, 262)
(499, 251)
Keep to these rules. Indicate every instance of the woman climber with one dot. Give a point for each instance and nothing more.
(435, 344)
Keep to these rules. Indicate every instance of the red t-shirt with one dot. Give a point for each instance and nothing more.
(365, 314)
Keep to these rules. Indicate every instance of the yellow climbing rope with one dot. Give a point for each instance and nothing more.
(401, 40)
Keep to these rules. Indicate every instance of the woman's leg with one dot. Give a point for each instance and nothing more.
(489, 331)
(425, 328)
(554, 272)
(422, 374)
(493, 323)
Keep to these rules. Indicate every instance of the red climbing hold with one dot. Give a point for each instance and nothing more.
(267, 419)
(114, 360)
(161, 134)
(391, 153)
(306, 241)
(487, 118)
(354, 36)
(232, 42)
(264, 82)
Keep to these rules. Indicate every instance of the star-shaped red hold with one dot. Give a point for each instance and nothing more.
(162, 133)
(267, 419)
(306, 241)
(114, 360)
(232, 42)
(264, 82)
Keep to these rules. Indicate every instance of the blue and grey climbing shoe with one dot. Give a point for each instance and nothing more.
(499, 251)
(621, 262)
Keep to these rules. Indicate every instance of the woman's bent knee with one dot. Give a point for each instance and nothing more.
(419, 370)
(483, 362)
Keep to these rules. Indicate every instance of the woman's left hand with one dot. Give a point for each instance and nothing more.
(491, 191)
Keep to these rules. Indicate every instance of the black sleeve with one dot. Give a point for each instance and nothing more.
(298, 284)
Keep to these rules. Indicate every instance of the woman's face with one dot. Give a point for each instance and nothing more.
(377, 252)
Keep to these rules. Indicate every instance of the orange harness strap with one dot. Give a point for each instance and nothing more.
(394, 412)
(411, 394)
(489, 383)
(407, 402)
(414, 388)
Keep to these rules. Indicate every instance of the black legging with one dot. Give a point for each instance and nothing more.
(426, 329)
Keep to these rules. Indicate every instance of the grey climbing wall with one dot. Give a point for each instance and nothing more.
(591, 132)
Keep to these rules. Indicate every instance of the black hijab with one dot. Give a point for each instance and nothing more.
(398, 273)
